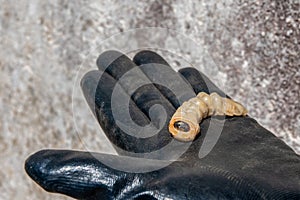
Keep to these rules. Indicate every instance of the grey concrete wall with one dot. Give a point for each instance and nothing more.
(250, 49)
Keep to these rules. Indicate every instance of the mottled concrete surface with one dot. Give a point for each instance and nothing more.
(253, 49)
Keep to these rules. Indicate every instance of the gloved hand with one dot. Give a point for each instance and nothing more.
(232, 158)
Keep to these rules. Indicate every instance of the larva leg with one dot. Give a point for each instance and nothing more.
(184, 124)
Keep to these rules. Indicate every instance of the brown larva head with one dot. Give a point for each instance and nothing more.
(183, 130)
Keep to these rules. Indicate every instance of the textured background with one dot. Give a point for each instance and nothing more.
(254, 46)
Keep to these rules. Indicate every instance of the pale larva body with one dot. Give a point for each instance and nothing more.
(184, 125)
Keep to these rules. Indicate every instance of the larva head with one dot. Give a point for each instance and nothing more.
(182, 126)
(183, 130)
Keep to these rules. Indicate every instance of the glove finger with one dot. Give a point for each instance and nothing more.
(200, 82)
(85, 175)
(166, 80)
(68, 173)
(146, 56)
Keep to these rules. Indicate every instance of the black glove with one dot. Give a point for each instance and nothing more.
(232, 158)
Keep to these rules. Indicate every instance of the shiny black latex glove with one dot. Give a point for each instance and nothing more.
(232, 158)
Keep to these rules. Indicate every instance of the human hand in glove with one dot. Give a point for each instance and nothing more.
(133, 101)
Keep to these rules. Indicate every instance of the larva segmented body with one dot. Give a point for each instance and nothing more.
(184, 125)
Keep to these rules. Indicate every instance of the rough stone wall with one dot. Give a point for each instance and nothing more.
(253, 44)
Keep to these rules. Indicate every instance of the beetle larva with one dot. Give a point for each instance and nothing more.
(184, 125)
